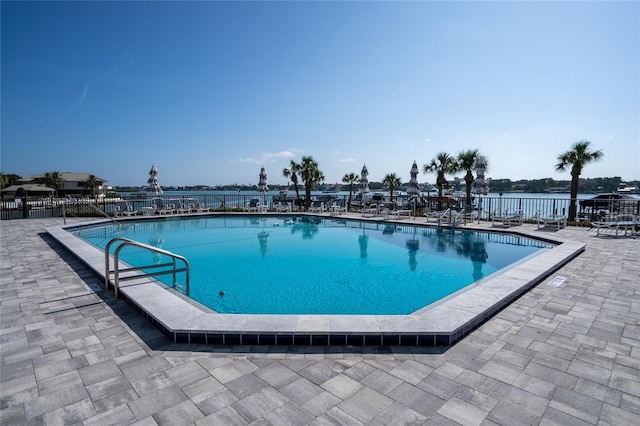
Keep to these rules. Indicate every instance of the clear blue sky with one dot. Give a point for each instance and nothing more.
(212, 91)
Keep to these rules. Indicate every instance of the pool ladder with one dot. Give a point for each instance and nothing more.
(125, 242)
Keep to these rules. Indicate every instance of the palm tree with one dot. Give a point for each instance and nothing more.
(467, 161)
(53, 180)
(392, 181)
(91, 182)
(443, 164)
(292, 173)
(311, 176)
(350, 179)
(577, 157)
(8, 179)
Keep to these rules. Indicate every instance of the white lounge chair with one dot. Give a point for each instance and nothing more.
(283, 207)
(338, 209)
(508, 218)
(123, 208)
(160, 207)
(254, 205)
(178, 206)
(617, 222)
(439, 217)
(464, 215)
(196, 206)
(393, 210)
(370, 210)
(552, 219)
(316, 207)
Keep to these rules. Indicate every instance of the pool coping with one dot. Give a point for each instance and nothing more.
(443, 325)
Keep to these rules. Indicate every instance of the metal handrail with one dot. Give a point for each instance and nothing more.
(93, 206)
(116, 267)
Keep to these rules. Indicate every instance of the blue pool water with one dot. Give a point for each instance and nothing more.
(303, 265)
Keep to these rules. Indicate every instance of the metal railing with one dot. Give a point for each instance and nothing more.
(125, 242)
(99, 210)
(485, 206)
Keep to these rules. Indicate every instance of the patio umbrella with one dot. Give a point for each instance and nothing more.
(364, 182)
(480, 186)
(262, 183)
(154, 186)
(414, 186)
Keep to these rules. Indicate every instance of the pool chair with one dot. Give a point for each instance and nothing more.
(283, 207)
(552, 219)
(254, 205)
(196, 207)
(160, 207)
(466, 214)
(618, 222)
(507, 218)
(178, 206)
(439, 217)
(149, 211)
(394, 211)
(123, 208)
(338, 209)
(316, 207)
(370, 210)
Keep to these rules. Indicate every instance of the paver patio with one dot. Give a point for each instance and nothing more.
(557, 355)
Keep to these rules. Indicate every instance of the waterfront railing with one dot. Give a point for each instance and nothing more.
(485, 207)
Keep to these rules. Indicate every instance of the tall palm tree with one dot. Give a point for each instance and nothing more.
(292, 173)
(467, 161)
(91, 182)
(350, 179)
(311, 176)
(53, 180)
(443, 164)
(578, 156)
(392, 181)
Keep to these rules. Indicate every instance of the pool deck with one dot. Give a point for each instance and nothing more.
(73, 354)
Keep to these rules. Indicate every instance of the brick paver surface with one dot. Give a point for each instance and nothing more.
(558, 355)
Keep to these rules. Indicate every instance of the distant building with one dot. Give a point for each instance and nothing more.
(74, 186)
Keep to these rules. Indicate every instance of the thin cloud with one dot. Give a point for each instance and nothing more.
(85, 91)
(266, 157)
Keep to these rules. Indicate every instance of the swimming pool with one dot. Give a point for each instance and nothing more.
(327, 266)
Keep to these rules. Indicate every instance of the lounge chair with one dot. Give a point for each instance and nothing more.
(508, 218)
(370, 210)
(552, 219)
(617, 222)
(316, 207)
(393, 210)
(195, 206)
(338, 209)
(283, 207)
(464, 215)
(254, 205)
(160, 207)
(149, 211)
(123, 208)
(442, 216)
(178, 206)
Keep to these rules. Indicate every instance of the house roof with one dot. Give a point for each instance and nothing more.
(67, 176)
(28, 187)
